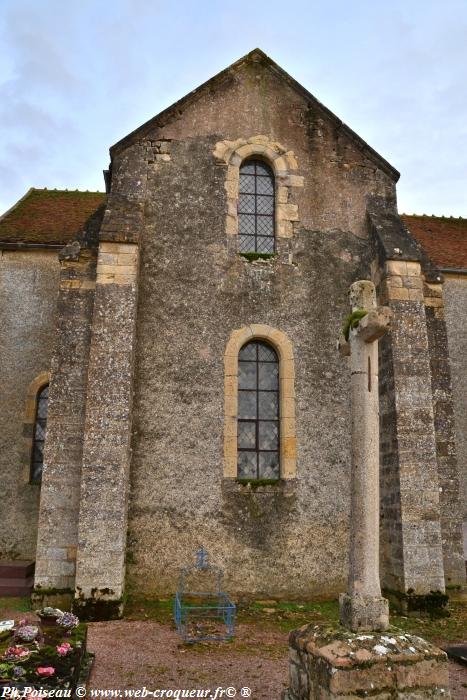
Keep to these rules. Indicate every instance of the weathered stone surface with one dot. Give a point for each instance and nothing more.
(60, 489)
(364, 612)
(412, 553)
(364, 608)
(338, 664)
(448, 473)
(194, 290)
(455, 299)
(100, 566)
(28, 288)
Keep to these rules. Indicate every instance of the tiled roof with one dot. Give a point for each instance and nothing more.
(52, 217)
(443, 238)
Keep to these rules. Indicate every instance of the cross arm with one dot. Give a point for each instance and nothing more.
(375, 324)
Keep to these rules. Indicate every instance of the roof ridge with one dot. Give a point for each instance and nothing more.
(253, 55)
(448, 217)
(57, 189)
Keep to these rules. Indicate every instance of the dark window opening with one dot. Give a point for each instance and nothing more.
(256, 205)
(40, 424)
(258, 412)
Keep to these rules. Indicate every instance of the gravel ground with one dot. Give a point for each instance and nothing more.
(134, 654)
(131, 654)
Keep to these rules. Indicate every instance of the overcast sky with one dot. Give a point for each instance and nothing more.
(77, 75)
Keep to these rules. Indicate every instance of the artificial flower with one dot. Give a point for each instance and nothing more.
(45, 671)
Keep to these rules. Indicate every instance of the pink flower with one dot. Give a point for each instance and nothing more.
(45, 671)
(64, 649)
(17, 652)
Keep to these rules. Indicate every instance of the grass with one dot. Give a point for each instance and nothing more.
(285, 616)
(18, 604)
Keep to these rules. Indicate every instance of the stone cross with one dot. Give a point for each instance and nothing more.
(362, 608)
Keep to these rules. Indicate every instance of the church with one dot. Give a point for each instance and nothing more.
(170, 377)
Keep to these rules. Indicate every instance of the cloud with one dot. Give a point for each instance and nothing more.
(79, 76)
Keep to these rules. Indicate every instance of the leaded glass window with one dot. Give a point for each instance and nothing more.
(40, 425)
(258, 412)
(256, 208)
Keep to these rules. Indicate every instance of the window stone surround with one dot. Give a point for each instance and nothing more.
(281, 343)
(29, 421)
(283, 163)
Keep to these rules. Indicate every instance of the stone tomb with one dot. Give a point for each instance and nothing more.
(361, 658)
(326, 664)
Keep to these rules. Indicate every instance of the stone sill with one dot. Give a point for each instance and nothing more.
(281, 486)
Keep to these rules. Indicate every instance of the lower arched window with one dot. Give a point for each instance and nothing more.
(258, 428)
(40, 424)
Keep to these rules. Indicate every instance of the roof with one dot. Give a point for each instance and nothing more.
(255, 56)
(444, 239)
(48, 217)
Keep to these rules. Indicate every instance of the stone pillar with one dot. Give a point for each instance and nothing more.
(363, 608)
(59, 505)
(100, 573)
(413, 555)
(337, 663)
(443, 410)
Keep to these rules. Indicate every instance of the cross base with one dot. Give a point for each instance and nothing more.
(363, 613)
(327, 664)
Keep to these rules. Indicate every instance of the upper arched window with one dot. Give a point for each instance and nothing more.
(258, 412)
(40, 424)
(256, 208)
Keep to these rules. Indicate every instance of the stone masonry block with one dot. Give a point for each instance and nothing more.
(377, 665)
(396, 267)
(413, 269)
(415, 295)
(413, 282)
(398, 294)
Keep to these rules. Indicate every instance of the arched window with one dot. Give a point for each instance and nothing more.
(256, 208)
(40, 424)
(258, 412)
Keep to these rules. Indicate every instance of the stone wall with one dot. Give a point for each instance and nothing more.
(412, 548)
(28, 292)
(443, 412)
(290, 539)
(60, 492)
(455, 301)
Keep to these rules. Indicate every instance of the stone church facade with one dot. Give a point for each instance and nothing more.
(234, 223)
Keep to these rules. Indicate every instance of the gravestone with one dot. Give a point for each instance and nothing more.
(362, 657)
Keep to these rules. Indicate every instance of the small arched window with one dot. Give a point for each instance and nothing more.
(256, 208)
(40, 424)
(258, 412)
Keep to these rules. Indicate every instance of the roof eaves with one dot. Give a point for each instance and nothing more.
(19, 245)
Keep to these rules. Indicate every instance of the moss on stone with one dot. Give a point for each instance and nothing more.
(40, 590)
(352, 321)
(258, 256)
(433, 603)
(98, 609)
(256, 483)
